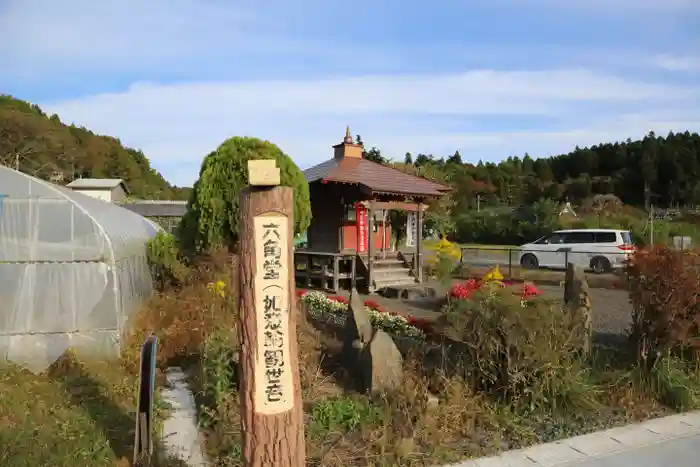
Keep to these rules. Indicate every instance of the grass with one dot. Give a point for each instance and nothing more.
(67, 417)
(430, 244)
(346, 428)
(82, 412)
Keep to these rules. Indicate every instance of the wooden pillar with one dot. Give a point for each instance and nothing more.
(370, 248)
(353, 269)
(336, 274)
(271, 405)
(419, 242)
(309, 265)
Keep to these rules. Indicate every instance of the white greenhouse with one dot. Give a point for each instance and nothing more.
(73, 270)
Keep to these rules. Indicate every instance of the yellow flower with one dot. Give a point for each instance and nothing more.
(217, 288)
(493, 276)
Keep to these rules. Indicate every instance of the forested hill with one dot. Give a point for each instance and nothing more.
(663, 171)
(44, 147)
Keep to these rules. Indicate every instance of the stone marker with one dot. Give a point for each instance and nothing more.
(369, 354)
(358, 328)
(381, 364)
(577, 297)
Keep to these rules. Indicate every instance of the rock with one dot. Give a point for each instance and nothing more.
(577, 298)
(406, 447)
(358, 329)
(432, 402)
(381, 364)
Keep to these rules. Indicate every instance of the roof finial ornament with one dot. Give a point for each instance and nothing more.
(348, 136)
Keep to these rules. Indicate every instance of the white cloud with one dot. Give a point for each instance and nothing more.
(176, 125)
(230, 51)
(628, 6)
(678, 63)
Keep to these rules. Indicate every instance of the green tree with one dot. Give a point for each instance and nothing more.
(543, 170)
(212, 212)
(408, 159)
(374, 155)
(456, 158)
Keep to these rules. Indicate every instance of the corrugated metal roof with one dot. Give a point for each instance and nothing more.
(377, 177)
(155, 208)
(97, 183)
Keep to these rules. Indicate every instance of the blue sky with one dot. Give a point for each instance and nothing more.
(492, 78)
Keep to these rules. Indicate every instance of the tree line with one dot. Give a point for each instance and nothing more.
(44, 147)
(663, 171)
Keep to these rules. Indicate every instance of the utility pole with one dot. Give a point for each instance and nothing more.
(651, 225)
(478, 203)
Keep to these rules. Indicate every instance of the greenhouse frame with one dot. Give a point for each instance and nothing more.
(73, 271)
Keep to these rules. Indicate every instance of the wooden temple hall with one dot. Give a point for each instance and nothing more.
(349, 239)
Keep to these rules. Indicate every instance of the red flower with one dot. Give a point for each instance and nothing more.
(338, 298)
(374, 306)
(300, 293)
(530, 290)
(419, 324)
(464, 290)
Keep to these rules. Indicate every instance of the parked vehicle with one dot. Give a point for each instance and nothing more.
(600, 250)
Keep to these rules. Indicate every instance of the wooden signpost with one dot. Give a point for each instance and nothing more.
(271, 406)
(143, 442)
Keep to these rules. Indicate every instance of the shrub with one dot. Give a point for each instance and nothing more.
(183, 317)
(444, 260)
(343, 414)
(163, 256)
(522, 350)
(212, 212)
(218, 371)
(665, 295)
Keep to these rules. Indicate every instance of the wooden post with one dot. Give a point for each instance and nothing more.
(143, 435)
(419, 242)
(370, 249)
(271, 405)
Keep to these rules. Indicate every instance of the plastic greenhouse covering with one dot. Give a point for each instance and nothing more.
(73, 270)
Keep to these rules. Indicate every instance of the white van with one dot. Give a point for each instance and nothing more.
(600, 250)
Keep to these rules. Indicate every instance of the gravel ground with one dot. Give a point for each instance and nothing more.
(612, 312)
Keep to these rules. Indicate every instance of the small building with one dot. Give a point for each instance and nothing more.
(350, 237)
(166, 213)
(112, 190)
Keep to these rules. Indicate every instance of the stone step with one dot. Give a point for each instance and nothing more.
(385, 283)
(391, 272)
(385, 263)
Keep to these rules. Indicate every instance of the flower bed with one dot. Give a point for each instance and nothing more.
(465, 290)
(334, 308)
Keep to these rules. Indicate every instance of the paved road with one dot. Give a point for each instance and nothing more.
(682, 452)
(668, 441)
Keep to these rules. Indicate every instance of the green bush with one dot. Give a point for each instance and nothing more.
(163, 255)
(525, 352)
(344, 414)
(212, 212)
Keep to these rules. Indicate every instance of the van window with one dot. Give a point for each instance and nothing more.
(554, 238)
(579, 237)
(605, 237)
(626, 238)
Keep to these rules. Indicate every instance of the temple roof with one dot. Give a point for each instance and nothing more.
(376, 177)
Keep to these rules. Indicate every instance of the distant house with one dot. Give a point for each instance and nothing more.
(112, 190)
(167, 214)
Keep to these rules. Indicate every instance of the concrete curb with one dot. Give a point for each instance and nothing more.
(572, 451)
